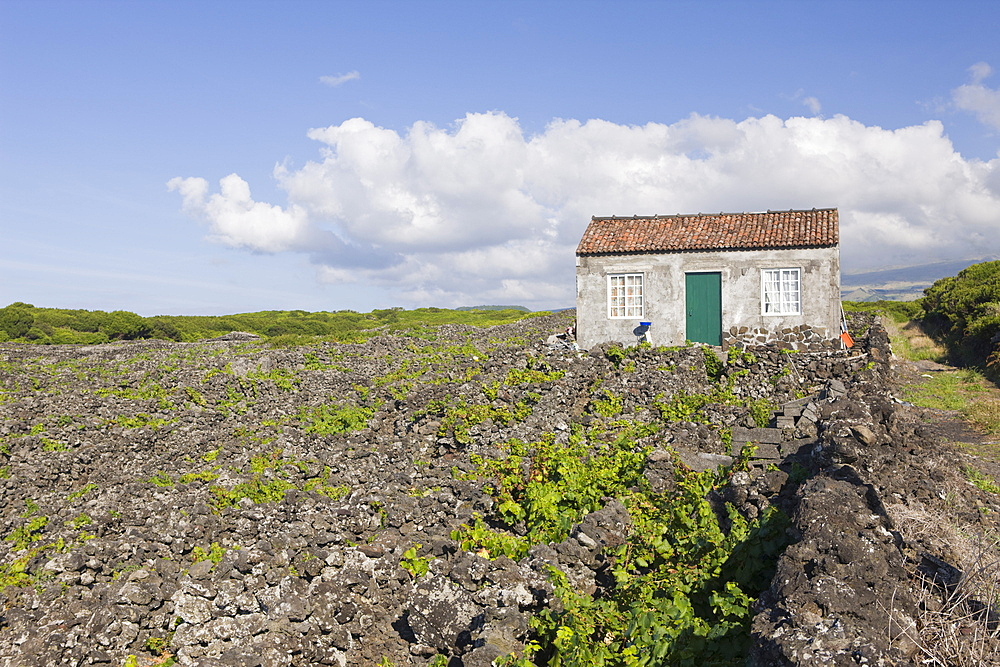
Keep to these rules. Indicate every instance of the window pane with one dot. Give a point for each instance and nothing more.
(780, 291)
(625, 295)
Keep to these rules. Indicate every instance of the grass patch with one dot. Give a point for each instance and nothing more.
(948, 390)
(965, 391)
(898, 312)
(981, 481)
(985, 414)
(911, 342)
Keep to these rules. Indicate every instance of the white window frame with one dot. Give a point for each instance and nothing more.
(626, 296)
(781, 291)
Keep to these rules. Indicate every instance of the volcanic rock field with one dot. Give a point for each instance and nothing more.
(230, 503)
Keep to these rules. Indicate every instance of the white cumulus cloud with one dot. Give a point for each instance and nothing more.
(978, 98)
(239, 221)
(813, 104)
(479, 212)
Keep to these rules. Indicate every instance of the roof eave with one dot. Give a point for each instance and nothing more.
(714, 249)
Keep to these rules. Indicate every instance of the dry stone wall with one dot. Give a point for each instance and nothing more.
(799, 337)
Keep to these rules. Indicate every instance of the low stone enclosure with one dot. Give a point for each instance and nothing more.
(228, 503)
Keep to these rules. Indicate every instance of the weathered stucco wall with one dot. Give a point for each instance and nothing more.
(664, 295)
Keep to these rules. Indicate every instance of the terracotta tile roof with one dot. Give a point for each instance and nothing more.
(711, 231)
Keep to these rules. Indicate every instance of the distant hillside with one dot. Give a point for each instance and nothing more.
(901, 283)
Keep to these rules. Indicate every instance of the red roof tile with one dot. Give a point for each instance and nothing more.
(707, 231)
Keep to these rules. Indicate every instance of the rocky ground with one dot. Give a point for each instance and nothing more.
(227, 503)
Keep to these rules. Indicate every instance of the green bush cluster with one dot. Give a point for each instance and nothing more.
(550, 486)
(24, 323)
(22, 536)
(964, 312)
(334, 418)
(681, 594)
(458, 416)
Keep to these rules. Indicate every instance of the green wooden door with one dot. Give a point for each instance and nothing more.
(703, 299)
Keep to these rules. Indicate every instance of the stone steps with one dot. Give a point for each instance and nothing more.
(779, 440)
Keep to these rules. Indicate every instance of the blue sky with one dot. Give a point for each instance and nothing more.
(219, 157)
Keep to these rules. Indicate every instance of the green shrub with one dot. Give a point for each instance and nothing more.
(16, 320)
(82, 491)
(161, 479)
(714, 367)
(123, 325)
(23, 536)
(416, 565)
(549, 486)
(965, 310)
(616, 354)
(760, 411)
(256, 490)
(214, 554)
(683, 587)
(335, 418)
(608, 404)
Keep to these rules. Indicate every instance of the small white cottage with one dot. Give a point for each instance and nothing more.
(719, 279)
